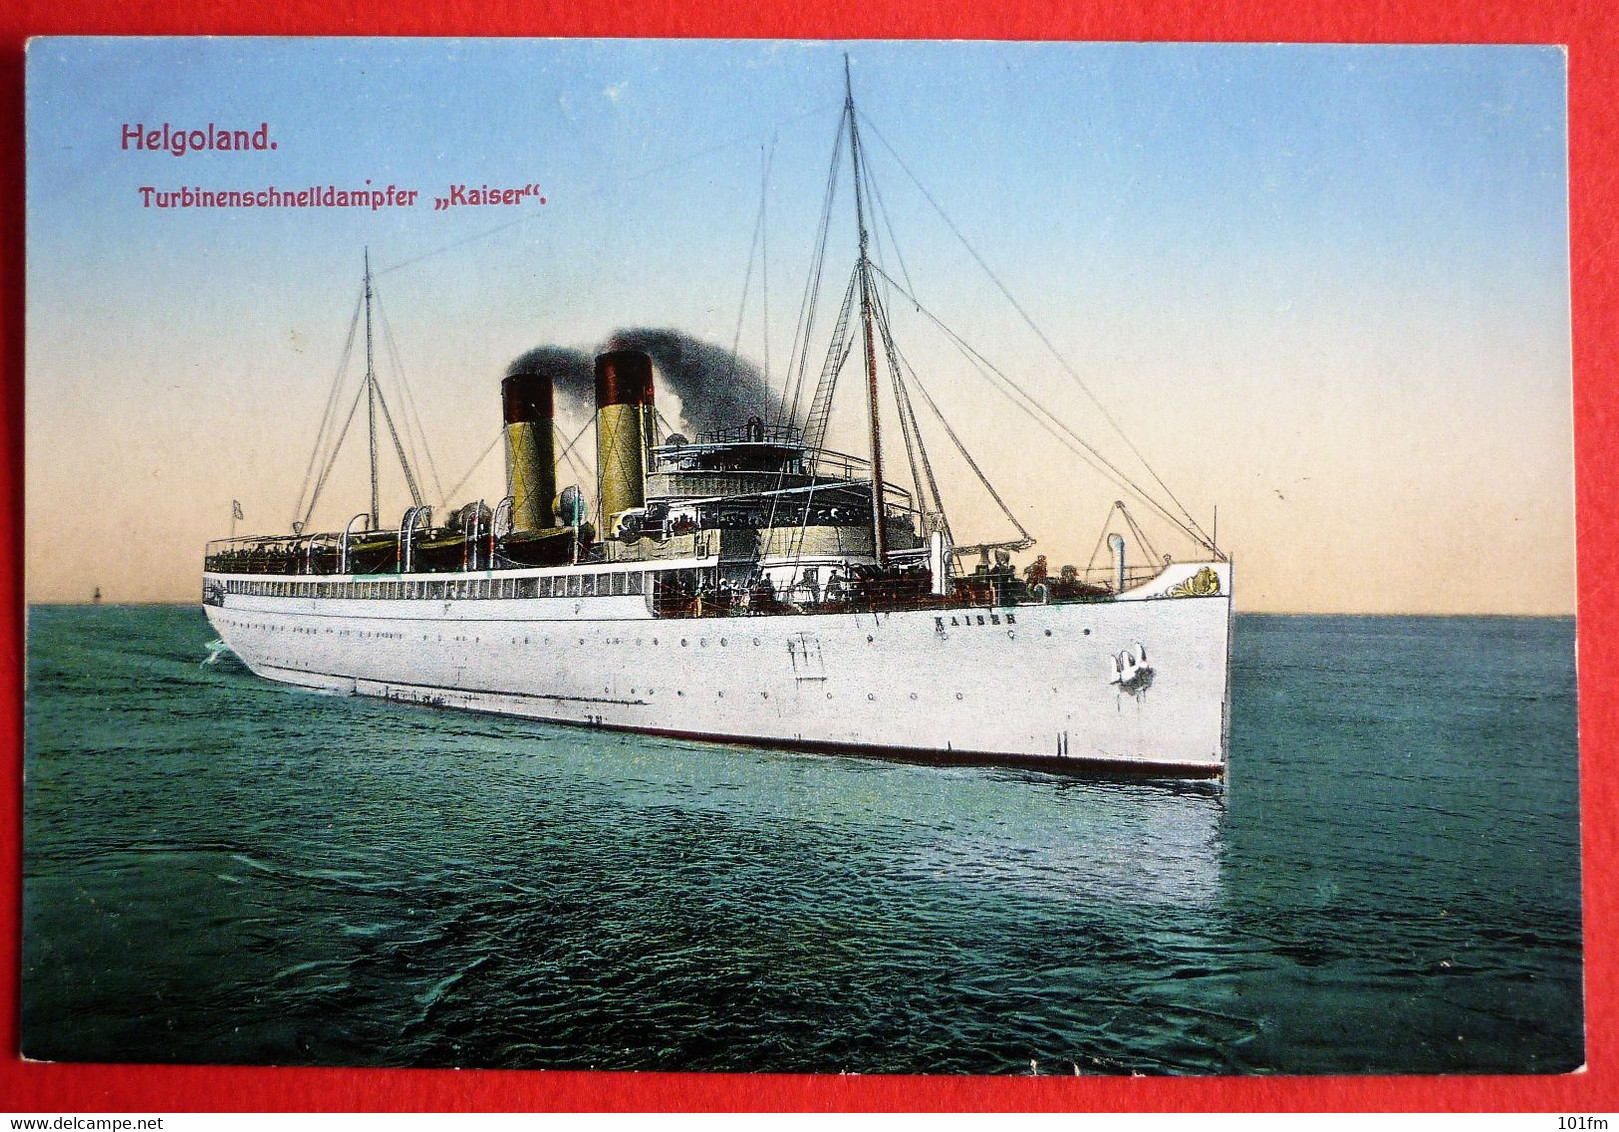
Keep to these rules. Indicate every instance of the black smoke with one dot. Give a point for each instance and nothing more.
(572, 373)
(716, 388)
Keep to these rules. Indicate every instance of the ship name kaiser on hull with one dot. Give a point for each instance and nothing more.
(748, 583)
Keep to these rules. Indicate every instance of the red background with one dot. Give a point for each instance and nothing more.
(1588, 31)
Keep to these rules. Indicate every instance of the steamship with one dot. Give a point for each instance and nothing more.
(746, 584)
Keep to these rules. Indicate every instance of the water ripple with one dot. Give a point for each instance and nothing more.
(219, 870)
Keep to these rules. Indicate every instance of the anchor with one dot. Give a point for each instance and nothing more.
(1131, 671)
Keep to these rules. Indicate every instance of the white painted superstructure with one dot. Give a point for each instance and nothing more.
(748, 584)
(1029, 683)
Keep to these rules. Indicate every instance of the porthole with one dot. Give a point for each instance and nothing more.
(684, 642)
(1048, 632)
(870, 638)
(913, 695)
(958, 695)
(872, 696)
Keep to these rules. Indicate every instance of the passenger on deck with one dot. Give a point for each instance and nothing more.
(835, 589)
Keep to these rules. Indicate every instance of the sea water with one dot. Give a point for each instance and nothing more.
(219, 869)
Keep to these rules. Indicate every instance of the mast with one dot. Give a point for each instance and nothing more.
(370, 390)
(879, 541)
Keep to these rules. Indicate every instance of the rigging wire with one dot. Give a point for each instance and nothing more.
(1063, 362)
(331, 444)
(1135, 529)
(803, 332)
(882, 209)
(1043, 416)
(323, 435)
(326, 417)
(815, 424)
(907, 425)
(966, 455)
(391, 353)
(578, 436)
(1141, 535)
(408, 396)
(916, 454)
(578, 464)
(880, 214)
(399, 450)
(331, 459)
(668, 428)
(837, 353)
(926, 489)
(1090, 563)
(808, 304)
(764, 257)
(942, 517)
(747, 276)
(476, 464)
(820, 411)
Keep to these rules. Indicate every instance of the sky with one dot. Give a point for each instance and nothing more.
(1323, 290)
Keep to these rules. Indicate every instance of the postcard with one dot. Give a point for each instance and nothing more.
(758, 556)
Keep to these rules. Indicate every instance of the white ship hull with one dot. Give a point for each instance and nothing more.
(1139, 684)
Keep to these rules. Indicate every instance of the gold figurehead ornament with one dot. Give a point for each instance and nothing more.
(1204, 583)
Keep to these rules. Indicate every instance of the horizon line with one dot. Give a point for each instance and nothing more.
(1568, 616)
